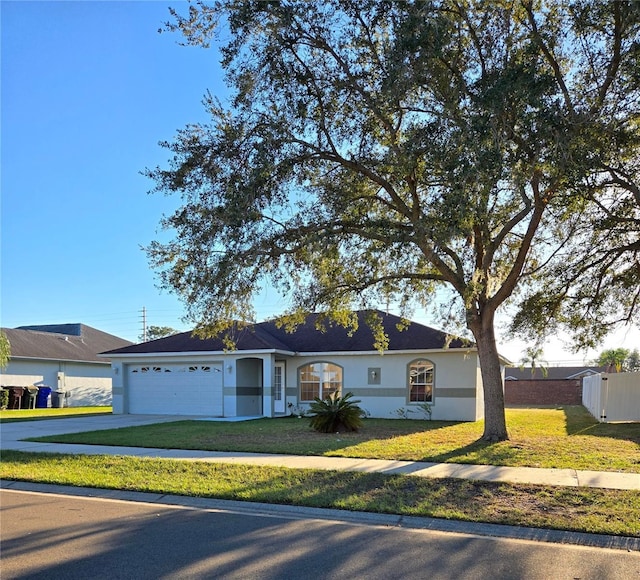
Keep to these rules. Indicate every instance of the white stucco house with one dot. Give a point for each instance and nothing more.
(272, 371)
(63, 357)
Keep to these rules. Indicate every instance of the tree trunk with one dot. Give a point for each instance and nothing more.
(495, 425)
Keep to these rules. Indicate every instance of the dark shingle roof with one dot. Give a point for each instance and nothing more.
(74, 329)
(306, 338)
(80, 342)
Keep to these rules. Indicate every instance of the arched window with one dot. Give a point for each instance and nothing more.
(421, 381)
(320, 380)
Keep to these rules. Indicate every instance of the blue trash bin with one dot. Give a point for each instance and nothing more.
(42, 399)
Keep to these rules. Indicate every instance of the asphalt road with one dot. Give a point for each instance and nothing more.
(53, 537)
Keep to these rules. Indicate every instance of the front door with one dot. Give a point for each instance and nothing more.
(278, 388)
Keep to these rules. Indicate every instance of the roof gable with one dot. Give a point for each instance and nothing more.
(306, 338)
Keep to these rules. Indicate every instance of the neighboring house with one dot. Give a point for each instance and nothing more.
(554, 386)
(550, 373)
(63, 357)
(272, 372)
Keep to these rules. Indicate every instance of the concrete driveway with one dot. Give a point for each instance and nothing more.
(12, 435)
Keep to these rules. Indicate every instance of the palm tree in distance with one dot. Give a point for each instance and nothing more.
(532, 357)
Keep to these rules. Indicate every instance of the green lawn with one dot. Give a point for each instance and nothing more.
(565, 508)
(566, 437)
(7, 416)
(562, 437)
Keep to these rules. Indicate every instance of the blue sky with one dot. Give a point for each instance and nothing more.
(88, 90)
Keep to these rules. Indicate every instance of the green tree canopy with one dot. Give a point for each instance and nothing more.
(632, 362)
(155, 332)
(5, 350)
(619, 360)
(379, 151)
(591, 284)
(614, 358)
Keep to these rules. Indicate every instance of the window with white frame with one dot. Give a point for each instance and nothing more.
(320, 380)
(421, 381)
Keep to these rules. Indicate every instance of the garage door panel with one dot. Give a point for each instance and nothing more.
(184, 389)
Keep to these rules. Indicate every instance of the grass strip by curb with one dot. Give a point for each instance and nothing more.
(612, 512)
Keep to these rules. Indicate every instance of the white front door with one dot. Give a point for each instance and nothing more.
(278, 388)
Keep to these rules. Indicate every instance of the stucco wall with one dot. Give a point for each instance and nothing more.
(457, 394)
(455, 378)
(88, 383)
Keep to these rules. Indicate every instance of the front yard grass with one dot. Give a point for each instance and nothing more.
(563, 437)
(577, 509)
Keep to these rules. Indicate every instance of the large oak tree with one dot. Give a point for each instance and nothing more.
(378, 151)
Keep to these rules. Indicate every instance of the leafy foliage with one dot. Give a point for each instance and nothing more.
(424, 409)
(335, 414)
(619, 360)
(613, 358)
(5, 350)
(393, 152)
(632, 363)
(531, 357)
(156, 332)
(591, 283)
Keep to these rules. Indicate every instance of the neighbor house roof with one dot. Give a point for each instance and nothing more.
(552, 373)
(64, 342)
(305, 338)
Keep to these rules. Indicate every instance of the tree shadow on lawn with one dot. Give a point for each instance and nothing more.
(580, 422)
(265, 435)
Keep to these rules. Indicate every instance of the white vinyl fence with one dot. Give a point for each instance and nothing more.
(612, 396)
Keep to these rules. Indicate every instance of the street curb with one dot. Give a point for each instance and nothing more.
(630, 544)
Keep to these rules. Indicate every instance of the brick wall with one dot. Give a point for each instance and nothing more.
(543, 392)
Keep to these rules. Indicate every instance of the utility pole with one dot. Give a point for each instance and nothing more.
(144, 324)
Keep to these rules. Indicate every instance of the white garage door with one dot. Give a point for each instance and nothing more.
(175, 389)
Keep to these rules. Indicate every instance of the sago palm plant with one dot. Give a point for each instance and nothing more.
(335, 414)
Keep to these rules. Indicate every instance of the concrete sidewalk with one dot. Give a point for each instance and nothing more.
(12, 436)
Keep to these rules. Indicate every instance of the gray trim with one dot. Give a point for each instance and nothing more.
(376, 392)
(248, 391)
(455, 393)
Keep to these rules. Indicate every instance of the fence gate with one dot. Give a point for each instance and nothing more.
(612, 397)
